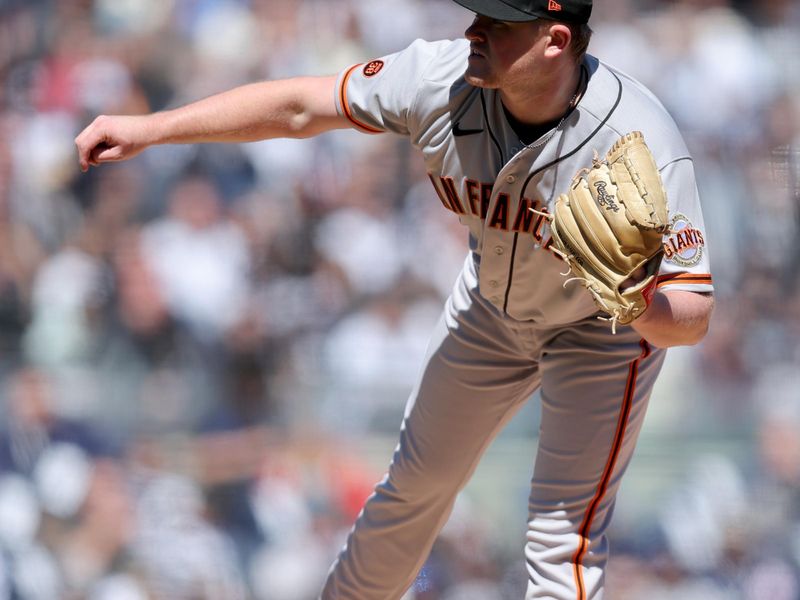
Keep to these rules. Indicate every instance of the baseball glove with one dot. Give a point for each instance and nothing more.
(609, 228)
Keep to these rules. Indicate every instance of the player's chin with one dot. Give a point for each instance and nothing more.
(480, 77)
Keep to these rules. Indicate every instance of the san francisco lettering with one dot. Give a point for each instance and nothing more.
(477, 200)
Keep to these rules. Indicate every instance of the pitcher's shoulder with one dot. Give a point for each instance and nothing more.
(445, 60)
(620, 104)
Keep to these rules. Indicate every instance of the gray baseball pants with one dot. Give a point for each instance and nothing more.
(480, 368)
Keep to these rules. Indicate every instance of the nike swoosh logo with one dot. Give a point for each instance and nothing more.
(458, 132)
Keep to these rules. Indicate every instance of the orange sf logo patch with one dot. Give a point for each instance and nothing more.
(373, 68)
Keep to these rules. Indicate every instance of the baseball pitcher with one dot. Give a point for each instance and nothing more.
(586, 260)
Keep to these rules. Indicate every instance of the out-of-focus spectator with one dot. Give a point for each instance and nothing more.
(180, 553)
(370, 358)
(21, 253)
(199, 259)
(65, 293)
(33, 423)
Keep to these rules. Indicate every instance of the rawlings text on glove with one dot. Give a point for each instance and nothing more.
(610, 224)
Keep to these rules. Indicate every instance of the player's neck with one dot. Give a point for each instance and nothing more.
(549, 99)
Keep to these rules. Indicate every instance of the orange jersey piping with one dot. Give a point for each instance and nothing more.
(346, 106)
(685, 278)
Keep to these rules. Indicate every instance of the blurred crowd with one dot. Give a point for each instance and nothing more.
(194, 343)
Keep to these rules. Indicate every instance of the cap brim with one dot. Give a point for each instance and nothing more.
(496, 9)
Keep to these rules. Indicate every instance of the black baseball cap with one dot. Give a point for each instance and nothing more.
(569, 11)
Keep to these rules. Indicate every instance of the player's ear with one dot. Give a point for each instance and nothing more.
(559, 37)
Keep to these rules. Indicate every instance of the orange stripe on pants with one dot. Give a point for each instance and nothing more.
(619, 438)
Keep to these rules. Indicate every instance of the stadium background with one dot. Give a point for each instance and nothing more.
(205, 351)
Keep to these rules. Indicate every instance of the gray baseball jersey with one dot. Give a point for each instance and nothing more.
(510, 326)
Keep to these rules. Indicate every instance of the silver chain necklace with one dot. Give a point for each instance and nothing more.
(570, 107)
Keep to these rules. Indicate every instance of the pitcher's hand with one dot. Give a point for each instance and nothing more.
(112, 139)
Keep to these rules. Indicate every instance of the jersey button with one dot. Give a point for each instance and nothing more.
(510, 179)
(499, 250)
(494, 283)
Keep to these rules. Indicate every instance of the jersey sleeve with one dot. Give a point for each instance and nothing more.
(685, 265)
(381, 95)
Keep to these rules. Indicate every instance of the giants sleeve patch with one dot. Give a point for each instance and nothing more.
(685, 244)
